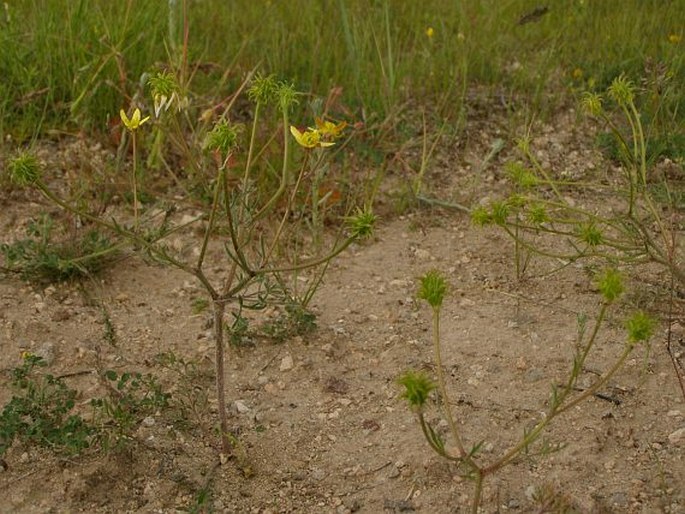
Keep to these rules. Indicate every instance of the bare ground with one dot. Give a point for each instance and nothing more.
(319, 417)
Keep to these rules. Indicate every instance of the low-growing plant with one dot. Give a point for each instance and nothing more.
(41, 257)
(419, 387)
(638, 216)
(132, 397)
(295, 320)
(42, 412)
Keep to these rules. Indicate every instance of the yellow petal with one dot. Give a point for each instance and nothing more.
(296, 133)
(303, 139)
(124, 118)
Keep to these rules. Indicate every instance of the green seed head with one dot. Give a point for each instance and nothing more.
(516, 201)
(521, 176)
(480, 216)
(622, 90)
(590, 234)
(287, 95)
(223, 138)
(610, 284)
(537, 214)
(163, 84)
(591, 104)
(417, 387)
(263, 89)
(500, 213)
(433, 288)
(361, 224)
(24, 169)
(640, 327)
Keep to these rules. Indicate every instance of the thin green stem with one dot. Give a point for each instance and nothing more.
(212, 217)
(284, 218)
(443, 388)
(134, 180)
(314, 262)
(284, 171)
(597, 385)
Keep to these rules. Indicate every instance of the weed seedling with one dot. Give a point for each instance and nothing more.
(42, 412)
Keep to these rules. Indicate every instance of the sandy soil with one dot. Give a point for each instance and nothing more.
(320, 419)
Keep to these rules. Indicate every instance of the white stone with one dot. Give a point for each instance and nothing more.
(286, 363)
(241, 406)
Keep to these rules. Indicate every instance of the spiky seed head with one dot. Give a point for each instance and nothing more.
(591, 104)
(433, 288)
(500, 213)
(610, 284)
(287, 95)
(590, 234)
(24, 169)
(263, 89)
(417, 388)
(537, 214)
(163, 84)
(361, 224)
(222, 138)
(640, 327)
(480, 216)
(622, 90)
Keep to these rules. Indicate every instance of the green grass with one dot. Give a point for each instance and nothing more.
(74, 63)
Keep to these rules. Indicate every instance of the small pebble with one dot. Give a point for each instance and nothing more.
(241, 407)
(678, 437)
(286, 363)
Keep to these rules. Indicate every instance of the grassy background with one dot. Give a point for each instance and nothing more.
(70, 64)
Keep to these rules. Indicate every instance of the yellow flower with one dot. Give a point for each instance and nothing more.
(135, 121)
(26, 355)
(329, 129)
(577, 74)
(674, 38)
(430, 32)
(311, 138)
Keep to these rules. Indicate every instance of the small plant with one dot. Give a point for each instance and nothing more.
(190, 396)
(636, 222)
(42, 412)
(132, 397)
(254, 208)
(294, 321)
(42, 259)
(419, 388)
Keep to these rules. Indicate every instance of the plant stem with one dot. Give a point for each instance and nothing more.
(284, 171)
(134, 180)
(210, 223)
(443, 388)
(219, 308)
(478, 492)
